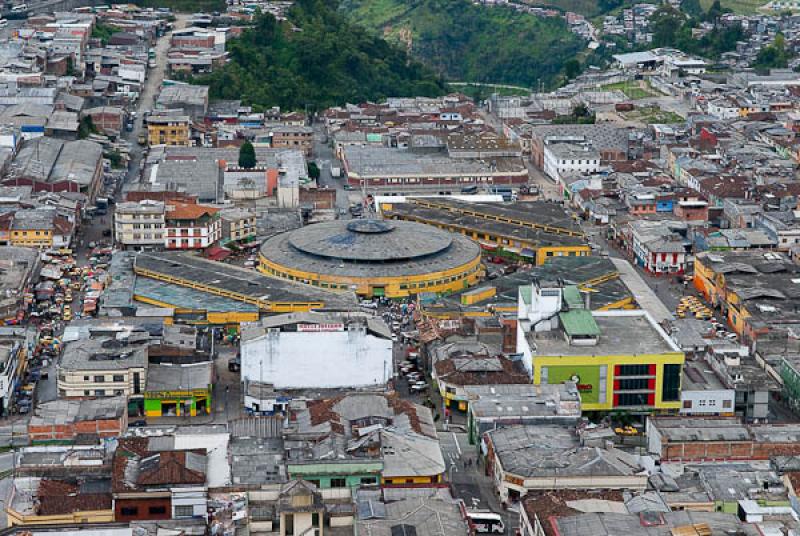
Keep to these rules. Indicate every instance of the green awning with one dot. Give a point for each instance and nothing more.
(573, 298)
(579, 323)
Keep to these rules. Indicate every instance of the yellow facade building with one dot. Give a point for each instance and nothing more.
(619, 360)
(374, 258)
(168, 130)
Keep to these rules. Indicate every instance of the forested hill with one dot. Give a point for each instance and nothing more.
(472, 43)
(319, 59)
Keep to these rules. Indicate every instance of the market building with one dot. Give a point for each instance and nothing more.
(211, 292)
(535, 230)
(373, 258)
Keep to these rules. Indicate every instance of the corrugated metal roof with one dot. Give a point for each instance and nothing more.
(579, 322)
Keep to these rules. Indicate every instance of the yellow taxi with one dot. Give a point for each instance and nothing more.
(67, 313)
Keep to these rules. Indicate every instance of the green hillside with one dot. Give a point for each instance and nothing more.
(471, 43)
(316, 59)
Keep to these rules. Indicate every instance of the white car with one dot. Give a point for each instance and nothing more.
(419, 387)
(414, 377)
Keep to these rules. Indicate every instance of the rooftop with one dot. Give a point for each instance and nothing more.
(126, 350)
(62, 412)
(615, 328)
(364, 248)
(366, 162)
(238, 280)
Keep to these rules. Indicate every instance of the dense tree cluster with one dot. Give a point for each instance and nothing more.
(468, 42)
(316, 59)
(671, 28)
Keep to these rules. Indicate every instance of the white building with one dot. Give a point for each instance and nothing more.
(723, 109)
(139, 225)
(314, 355)
(562, 159)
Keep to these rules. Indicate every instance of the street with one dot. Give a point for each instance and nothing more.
(146, 102)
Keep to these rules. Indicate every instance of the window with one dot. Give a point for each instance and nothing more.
(86, 378)
(368, 481)
(99, 392)
(634, 384)
(632, 399)
(99, 379)
(129, 510)
(119, 378)
(633, 370)
(338, 483)
(727, 403)
(87, 393)
(160, 510)
(687, 404)
(671, 383)
(184, 511)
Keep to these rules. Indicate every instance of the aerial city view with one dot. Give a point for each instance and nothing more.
(400, 268)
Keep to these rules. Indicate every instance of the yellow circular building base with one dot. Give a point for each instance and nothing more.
(373, 258)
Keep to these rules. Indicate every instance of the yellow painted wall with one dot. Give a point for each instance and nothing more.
(451, 280)
(180, 136)
(672, 358)
(32, 238)
(414, 480)
(94, 516)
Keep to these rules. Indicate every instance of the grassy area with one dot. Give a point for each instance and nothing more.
(652, 115)
(633, 89)
(741, 7)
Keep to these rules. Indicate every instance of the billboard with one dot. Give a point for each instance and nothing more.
(587, 378)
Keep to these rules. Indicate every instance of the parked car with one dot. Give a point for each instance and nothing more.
(419, 387)
(138, 423)
(235, 364)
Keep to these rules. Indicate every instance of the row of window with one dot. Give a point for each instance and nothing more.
(726, 404)
(342, 482)
(102, 392)
(180, 510)
(101, 379)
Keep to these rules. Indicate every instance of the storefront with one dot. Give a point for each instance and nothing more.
(177, 403)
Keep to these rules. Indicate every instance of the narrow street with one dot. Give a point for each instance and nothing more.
(146, 101)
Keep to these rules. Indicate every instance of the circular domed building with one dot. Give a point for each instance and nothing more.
(373, 257)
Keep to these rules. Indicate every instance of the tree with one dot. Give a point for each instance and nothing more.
(774, 56)
(572, 68)
(692, 8)
(86, 127)
(714, 12)
(313, 170)
(247, 155)
(665, 24)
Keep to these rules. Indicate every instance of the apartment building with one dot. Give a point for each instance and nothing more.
(104, 366)
(238, 224)
(169, 130)
(139, 224)
(191, 226)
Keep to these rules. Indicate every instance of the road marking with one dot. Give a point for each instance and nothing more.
(458, 447)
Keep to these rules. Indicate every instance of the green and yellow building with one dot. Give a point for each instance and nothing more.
(620, 360)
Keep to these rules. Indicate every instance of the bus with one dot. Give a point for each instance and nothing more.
(486, 522)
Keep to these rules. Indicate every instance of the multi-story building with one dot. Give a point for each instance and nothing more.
(656, 248)
(104, 366)
(139, 225)
(191, 226)
(562, 341)
(292, 137)
(169, 129)
(238, 225)
(563, 159)
(39, 228)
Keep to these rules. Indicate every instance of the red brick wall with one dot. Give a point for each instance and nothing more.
(143, 507)
(727, 450)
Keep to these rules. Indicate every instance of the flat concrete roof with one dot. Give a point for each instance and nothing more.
(616, 328)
